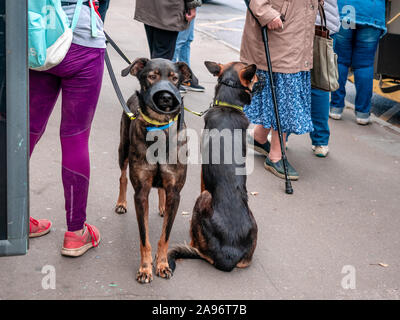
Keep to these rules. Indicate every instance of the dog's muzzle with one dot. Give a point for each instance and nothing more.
(259, 85)
(163, 97)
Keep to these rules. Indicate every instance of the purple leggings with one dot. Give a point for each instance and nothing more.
(79, 76)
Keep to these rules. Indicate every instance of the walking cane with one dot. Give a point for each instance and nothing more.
(288, 184)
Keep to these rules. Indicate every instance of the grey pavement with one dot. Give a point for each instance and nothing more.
(223, 20)
(344, 210)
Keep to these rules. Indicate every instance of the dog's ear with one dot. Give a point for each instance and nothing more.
(214, 68)
(247, 74)
(135, 67)
(185, 72)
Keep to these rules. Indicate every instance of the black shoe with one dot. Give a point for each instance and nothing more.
(193, 87)
(182, 90)
(277, 169)
(261, 148)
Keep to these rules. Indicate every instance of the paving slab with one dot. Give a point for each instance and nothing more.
(344, 210)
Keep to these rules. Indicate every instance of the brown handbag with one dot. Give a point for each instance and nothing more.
(324, 75)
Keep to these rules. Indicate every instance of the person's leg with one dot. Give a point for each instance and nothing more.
(44, 89)
(261, 134)
(343, 48)
(320, 117)
(163, 43)
(177, 49)
(259, 140)
(276, 153)
(181, 46)
(184, 55)
(293, 95)
(80, 93)
(273, 161)
(366, 43)
(150, 37)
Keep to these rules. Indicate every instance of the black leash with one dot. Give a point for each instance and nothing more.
(114, 45)
(114, 81)
(117, 89)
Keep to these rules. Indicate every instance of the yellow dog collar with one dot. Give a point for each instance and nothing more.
(155, 122)
(226, 104)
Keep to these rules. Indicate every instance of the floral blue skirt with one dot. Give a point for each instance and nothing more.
(293, 93)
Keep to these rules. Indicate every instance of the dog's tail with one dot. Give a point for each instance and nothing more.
(182, 251)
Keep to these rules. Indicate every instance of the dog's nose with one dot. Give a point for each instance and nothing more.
(165, 98)
(165, 101)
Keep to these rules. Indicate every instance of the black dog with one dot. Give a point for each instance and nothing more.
(157, 107)
(223, 230)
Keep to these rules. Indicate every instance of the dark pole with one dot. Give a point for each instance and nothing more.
(17, 126)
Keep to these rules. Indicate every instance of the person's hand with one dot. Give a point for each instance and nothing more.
(190, 15)
(275, 24)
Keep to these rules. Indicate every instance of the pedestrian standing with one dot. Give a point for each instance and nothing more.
(291, 27)
(78, 77)
(319, 98)
(162, 21)
(363, 24)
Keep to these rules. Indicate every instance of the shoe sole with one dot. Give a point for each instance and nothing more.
(39, 234)
(195, 90)
(335, 116)
(278, 174)
(78, 251)
(362, 123)
(259, 149)
(320, 155)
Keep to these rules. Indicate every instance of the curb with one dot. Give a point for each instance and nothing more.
(218, 39)
(376, 119)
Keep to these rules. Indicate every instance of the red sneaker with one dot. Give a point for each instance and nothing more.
(75, 246)
(38, 228)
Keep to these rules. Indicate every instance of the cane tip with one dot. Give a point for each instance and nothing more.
(289, 189)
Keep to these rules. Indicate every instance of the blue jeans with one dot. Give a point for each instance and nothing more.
(182, 48)
(356, 48)
(319, 117)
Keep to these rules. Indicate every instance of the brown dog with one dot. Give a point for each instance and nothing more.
(223, 230)
(157, 108)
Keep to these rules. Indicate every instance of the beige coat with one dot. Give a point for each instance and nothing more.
(291, 48)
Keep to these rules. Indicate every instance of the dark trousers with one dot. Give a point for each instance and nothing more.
(103, 7)
(161, 42)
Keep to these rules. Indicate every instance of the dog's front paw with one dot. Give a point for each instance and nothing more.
(120, 208)
(144, 275)
(163, 270)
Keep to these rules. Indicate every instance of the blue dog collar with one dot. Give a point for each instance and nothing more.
(160, 128)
